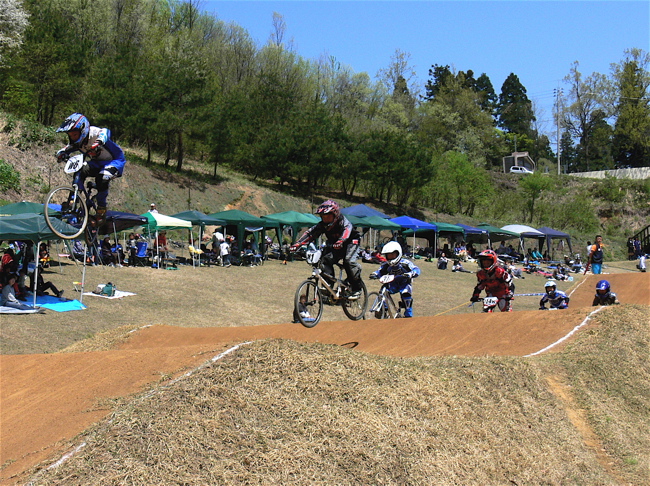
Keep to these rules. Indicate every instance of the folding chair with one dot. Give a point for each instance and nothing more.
(196, 255)
(141, 255)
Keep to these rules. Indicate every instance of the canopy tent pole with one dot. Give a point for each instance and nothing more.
(117, 244)
(83, 274)
(36, 260)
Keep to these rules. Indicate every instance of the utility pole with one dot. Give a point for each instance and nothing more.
(558, 94)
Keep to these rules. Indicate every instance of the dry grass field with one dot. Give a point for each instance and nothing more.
(277, 411)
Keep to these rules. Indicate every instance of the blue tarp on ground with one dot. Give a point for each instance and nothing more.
(58, 305)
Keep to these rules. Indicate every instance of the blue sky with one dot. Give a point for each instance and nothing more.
(536, 40)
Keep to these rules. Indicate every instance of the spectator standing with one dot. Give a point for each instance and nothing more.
(152, 208)
(595, 260)
(224, 248)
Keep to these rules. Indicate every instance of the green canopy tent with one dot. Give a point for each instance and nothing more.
(495, 233)
(197, 218)
(243, 221)
(294, 219)
(443, 230)
(158, 222)
(22, 208)
(32, 227)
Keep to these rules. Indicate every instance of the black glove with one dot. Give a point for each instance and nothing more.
(474, 298)
(373, 276)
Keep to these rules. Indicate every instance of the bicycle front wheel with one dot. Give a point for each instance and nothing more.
(356, 309)
(376, 307)
(308, 304)
(73, 213)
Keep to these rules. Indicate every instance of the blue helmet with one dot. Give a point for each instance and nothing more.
(602, 285)
(76, 121)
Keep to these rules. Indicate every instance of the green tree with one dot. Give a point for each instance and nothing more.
(13, 22)
(632, 129)
(515, 110)
(532, 188)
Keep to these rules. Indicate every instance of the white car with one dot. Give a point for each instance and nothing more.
(516, 169)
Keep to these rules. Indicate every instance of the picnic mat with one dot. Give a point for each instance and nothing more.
(11, 310)
(56, 304)
(118, 294)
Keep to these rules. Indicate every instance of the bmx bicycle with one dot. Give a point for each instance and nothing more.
(318, 291)
(381, 304)
(490, 303)
(78, 206)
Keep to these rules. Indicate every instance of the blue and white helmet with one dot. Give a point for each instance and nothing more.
(550, 287)
(602, 285)
(76, 121)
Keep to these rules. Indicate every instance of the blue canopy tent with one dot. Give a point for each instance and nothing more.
(551, 234)
(444, 230)
(362, 211)
(475, 235)
(120, 221)
(413, 224)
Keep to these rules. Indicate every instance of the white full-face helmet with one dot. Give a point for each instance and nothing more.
(391, 248)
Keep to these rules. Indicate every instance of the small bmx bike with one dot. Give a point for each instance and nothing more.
(317, 291)
(77, 206)
(381, 304)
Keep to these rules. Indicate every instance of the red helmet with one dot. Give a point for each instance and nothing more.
(490, 256)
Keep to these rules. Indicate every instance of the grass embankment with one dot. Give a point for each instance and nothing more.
(279, 412)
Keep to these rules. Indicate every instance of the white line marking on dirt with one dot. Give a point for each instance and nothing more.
(571, 333)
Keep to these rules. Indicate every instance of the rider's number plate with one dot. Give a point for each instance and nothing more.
(490, 301)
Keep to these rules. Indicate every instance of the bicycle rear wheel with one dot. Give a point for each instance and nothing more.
(376, 307)
(356, 309)
(308, 304)
(73, 212)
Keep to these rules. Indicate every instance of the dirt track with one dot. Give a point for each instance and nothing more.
(48, 399)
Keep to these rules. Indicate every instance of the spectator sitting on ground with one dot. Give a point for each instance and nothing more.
(366, 255)
(107, 256)
(378, 258)
(513, 253)
(42, 286)
(460, 251)
(537, 255)
(442, 261)
(458, 267)
(471, 251)
(8, 264)
(8, 296)
(44, 255)
(514, 271)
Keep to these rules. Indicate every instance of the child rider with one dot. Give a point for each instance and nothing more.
(495, 280)
(403, 272)
(106, 157)
(604, 295)
(342, 243)
(556, 298)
